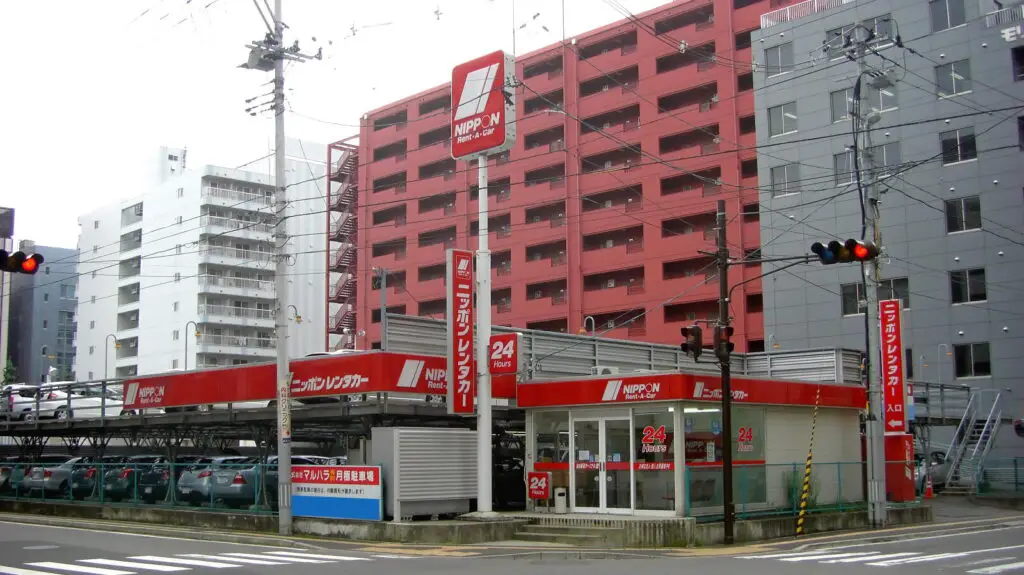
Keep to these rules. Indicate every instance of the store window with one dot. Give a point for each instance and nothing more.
(654, 475)
(551, 429)
(704, 457)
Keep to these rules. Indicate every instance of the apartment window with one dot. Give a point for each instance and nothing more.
(90, 375)
(958, 146)
(93, 275)
(841, 103)
(779, 59)
(44, 350)
(882, 27)
(782, 119)
(835, 39)
(46, 297)
(181, 192)
(842, 164)
(785, 180)
(179, 219)
(947, 14)
(177, 276)
(46, 324)
(967, 286)
(175, 334)
(95, 224)
(92, 324)
(175, 306)
(95, 249)
(1020, 132)
(174, 364)
(972, 360)
(93, 299)
(953, 78)
(908, 362)
(177, 249)
(1017, 54)
(887, 158)
(92, 349)
(854, 299)
(963, 214)
(882, 100)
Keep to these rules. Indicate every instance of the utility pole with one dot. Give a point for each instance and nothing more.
(875, 422)
(382, 274)
(268, 55)
(484, 425)
(728, 506)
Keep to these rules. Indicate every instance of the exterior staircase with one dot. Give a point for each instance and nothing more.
(972, 442)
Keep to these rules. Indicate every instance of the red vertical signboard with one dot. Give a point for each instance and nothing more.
(893, 383)
(461, 372)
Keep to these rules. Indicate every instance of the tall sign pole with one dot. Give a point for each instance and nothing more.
(483, 123)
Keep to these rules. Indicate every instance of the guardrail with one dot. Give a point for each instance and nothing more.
(1003, 476)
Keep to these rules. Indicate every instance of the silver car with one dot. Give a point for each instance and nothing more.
(50, 475)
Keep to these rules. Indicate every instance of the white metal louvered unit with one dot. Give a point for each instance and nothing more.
(426, 471)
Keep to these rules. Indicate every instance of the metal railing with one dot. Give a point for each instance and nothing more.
(236, 283)
(237, 341)
(233, 224)
(238, 195)
(801, 10)
(1005, 16)
(235, 311)
(251, 256)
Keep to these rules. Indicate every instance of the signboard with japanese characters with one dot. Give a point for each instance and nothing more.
(893, 382)
(338, 492)
(461, 368)
(1013, 33)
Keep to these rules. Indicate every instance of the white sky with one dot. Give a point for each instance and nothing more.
(98, 86)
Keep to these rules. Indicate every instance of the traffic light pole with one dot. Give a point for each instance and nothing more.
(876, 415)
(728, 507)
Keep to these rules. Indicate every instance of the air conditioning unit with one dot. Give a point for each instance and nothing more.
(604, 370)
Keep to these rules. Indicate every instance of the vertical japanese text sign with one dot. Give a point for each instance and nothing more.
(893, 382)
(461, 372)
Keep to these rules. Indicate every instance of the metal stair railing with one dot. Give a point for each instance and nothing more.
(984, 445)
(961, 438)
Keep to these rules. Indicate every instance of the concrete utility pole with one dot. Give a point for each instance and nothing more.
(268, 55)
(876, 414)
(484, 425)
(729, 508)
(382, 273)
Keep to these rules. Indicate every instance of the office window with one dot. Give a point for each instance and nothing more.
(953, 78)
(779, 59)
(835, 39)
(46, 270)
(177, 249)
(93, 299)
(1020, 132)
(67, 291)
(179, 219)
(882, 27)
(947, 14)
(174, 335)
(842, 164)
(963, 214)
(842, 101)
(46, 324)
(782, 119)
(882, 100)
(181, 192)
(46, 297)
(95, 224)
(174, 364)
(972, 360)
(175, 306)
(967, 286)
(785, 180)
(854, 300)
(44, 350)
(908, 363)
(177, 276)
(92, 349)
(92, 325)
(958, 146)
(90, 375)
(95, 249)
(1017, 55)
(94, 275)
(887, 158)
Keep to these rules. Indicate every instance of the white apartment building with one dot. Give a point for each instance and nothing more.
(182, 276)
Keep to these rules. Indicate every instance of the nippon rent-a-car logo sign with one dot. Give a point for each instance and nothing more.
(617, 390)
(483, 106)
(701, 391)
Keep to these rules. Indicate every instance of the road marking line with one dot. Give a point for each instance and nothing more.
(285, 554)
(998, 568)
(833, 556)
(17, 571)
(923, 559)
(40, 547)
(392, 557)
(987, 561)
(228, 556)
(79, 568)
(191, 562)
(815, 540)
(122, 529)
(133, 565)
(236, 559)
(781, 555)
(930, 537)
(870, 558)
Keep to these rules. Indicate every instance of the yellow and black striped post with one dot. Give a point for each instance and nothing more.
(806, 491)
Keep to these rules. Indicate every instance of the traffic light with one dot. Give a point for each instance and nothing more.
(20, 262)
(845, 252)
(693, 342)
(723, 341)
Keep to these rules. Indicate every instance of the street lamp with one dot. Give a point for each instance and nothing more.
(106, 354)
(297, 317)
(196, 326)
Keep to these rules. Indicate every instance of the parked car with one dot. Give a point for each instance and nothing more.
(155, 480)
(12, 473)
(85, 406)
(194, 485)
(241, 487)
(23, 402)
(85, 479)
(122, 481)
(939, 471)
(50, 475)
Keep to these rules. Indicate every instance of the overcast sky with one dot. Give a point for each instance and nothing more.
(93, 88)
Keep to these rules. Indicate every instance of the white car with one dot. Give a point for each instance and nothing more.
(22, 402)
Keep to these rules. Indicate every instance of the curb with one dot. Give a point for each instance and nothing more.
(143, 529)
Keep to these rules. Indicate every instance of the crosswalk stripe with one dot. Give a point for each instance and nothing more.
(780, 555)
(19, 571)
(284, 554)
(133, 565)
(79, 568)
(190, 562)
(833, 556)
(923, 559)
(998, 568)
(871, 558)
(237, 559)
(228, 556)
(392, 556)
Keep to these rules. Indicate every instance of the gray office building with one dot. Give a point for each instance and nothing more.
(42, 328)
(949, 147)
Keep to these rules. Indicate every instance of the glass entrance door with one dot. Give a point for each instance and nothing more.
(602, 465)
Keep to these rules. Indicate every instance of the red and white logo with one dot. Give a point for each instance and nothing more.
(483, 111)
(701, 391)
(616, 390)
(505, 353)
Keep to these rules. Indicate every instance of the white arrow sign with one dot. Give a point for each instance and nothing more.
(895, 423)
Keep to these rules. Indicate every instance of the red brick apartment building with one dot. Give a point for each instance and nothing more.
(582, 226)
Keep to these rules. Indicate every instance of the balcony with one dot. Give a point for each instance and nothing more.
(393, 250)
(543, 296)
(239, 287)
(237, 345)
(609, 92)
(235, 315)
(698, 184)
(228, 256)
(439, 239)
(548, 140)
(390, 154)
(686, 21)
(690, 103)
(499, 227)
(606, 54)
(225, 195)
(690, 144)
(550, 216)
(551, 176)
(498, 192)
(687, 66)
(391, 186)
(616, 123)
(131, 216)
(127, 321)
(801, 10)
(394, 216)
(258, 231)
(128, 348)
(544, 75)
(389, 127)
(129, 269)
(544, 260)
(612, 249)
(621, 324)
(436, 106)
(128, 296)
(130, 242)
(613, 286)
(1005, 17)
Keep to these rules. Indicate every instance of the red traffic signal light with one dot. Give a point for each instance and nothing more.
(20, 262)
(694, 341)
(844, 252)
